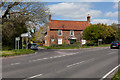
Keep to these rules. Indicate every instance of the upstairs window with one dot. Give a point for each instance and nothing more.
(72, 32)
(59, 32)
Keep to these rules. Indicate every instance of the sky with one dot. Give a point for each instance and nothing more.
(100, 12)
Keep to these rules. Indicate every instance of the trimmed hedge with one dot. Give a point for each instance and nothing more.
(64, 45)
(90, 43)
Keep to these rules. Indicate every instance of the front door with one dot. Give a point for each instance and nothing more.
(72, 41)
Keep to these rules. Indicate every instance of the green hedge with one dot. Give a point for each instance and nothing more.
(90, 43)
(64, 45)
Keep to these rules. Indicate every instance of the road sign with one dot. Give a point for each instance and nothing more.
(83, 41)
(17, 38)
(99, 39)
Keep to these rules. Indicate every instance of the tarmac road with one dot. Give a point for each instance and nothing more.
(90, 63)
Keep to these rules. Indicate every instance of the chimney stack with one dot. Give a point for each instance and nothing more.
(88, 18)
(49, 16)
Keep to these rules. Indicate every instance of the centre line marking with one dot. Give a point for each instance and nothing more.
(33, 76)
(111, 53)
(14, 63)
(75, 64)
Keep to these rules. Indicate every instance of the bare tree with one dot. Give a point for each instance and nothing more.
(17, 14)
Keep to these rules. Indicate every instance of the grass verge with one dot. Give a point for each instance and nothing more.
(116, 76)
(15, 52)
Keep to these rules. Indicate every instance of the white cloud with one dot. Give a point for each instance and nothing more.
(112, 14)
(104, 21)
(80, 0)
(115, 5)
(76, 11)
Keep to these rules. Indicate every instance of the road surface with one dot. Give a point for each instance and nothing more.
(90, 63)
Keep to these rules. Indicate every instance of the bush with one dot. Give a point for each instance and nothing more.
(6, 48)
(90, 43)
(64, 45)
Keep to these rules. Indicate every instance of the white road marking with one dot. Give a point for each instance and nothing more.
(34, 76)
(105, 76)
(52, 57)
(45, 58)
(14, 64)
(111, 53)
(80, 62)
(75, 64)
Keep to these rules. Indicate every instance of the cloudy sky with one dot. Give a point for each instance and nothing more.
(103, 12)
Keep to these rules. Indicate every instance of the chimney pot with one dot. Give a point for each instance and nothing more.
(49, 16)
(88, 18)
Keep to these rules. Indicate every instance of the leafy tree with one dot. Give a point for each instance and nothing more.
(99, 31)
(115, 27)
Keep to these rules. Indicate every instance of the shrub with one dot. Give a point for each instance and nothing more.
(90, 43)
(64, 45)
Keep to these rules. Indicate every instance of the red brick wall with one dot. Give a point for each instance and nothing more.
(47, 37)
(53, 34)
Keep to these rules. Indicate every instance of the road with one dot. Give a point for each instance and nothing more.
(91, 63)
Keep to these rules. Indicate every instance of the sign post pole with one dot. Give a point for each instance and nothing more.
(17, 39)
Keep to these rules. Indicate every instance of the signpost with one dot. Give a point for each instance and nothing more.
(83, 41)
(99, 40)
(26, 36)
(17, 39)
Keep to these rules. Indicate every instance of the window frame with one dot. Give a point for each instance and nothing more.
(58, 41)
(58, 32)
(71, 32)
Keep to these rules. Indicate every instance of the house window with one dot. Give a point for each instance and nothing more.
(59, 40)
(72, 32)
(82, 32)
(60, 32)
(45, 34)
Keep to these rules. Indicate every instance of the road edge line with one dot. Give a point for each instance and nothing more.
(105, 76)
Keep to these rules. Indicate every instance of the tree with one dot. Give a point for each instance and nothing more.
(115, 27)
(17, 16)
(99, 31)
(39, 35)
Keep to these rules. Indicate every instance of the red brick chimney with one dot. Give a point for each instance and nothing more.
(49, 16)
(88, 18)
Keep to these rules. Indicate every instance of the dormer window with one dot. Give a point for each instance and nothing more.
(59, 32)
(72, 32)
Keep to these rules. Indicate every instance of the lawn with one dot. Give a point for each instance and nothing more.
(6, 53)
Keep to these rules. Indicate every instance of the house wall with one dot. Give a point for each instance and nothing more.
(52, 37)
(47, 37)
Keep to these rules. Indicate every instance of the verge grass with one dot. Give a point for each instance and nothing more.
(15, 52)
(117, 75)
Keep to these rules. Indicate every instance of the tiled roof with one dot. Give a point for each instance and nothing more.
(68, 25)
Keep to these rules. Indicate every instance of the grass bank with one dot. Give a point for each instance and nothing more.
(59, 47)
(116, 76)
(7, 53)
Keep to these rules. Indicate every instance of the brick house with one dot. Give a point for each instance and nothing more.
(65, 32)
